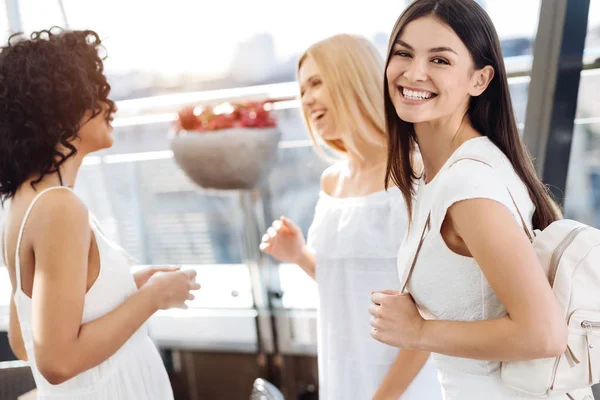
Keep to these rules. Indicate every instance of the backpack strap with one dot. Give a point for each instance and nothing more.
(414, 261)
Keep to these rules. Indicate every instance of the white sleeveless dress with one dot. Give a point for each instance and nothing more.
(136, 370)
(448, 286)
(356, 241)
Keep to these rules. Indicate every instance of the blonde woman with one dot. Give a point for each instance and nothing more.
(357, 227)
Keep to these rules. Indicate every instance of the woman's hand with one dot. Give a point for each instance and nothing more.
(284, 241)
(141, 277)
(173, 288)
(396, 320)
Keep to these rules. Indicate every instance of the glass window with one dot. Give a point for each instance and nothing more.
(142, 199)
(582, 197)
(4, 25)
(198, 46)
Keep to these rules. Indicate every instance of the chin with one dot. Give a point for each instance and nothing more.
(411, 116)
(106, 143)
(331, 136)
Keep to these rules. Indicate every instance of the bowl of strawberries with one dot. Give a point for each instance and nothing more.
(228, 146)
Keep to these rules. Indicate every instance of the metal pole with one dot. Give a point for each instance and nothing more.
(14, 16)
(554, 87)
(64, 14)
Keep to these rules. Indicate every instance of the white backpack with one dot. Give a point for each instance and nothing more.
(569, 252)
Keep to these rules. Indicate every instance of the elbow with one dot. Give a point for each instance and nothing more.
(55, 371)
(54, 376)
(551, 341)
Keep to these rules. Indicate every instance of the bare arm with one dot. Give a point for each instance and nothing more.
(15, 337)
(307, 262)
(63, 346)
(406, 367)
(534, 327)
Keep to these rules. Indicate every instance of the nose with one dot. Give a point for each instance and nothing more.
(115, 108)
(416, 71)
(307, 99)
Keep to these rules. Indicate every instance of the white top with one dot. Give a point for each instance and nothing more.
(136, 370)
(356, 241)
(448, 286)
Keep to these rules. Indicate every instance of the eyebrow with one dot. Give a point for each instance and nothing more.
(310, 79)
(433, 50)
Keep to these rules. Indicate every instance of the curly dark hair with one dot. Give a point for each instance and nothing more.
(47, 83)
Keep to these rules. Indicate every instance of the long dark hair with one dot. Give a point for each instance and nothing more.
(47, 83)
(491, 113)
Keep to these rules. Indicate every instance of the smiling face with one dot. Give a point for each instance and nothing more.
(431, 75)
(317, 104)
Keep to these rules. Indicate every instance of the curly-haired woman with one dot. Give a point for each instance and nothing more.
(77, 314)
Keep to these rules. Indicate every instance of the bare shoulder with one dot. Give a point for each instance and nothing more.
(59, 210)
(330, 177)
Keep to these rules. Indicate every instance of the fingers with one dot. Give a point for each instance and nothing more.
(375, 310)
(390, 292)
(265, 247)
(288, 223)
(190, 274)
(375, 323)
(166, 269)
(191, 297)
(376, 334)
(267, 239)
(194, 286)
(378, 297)
(265, 244)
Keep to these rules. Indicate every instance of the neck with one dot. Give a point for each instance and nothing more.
(68, 174)
(371, 156)
(439, 139)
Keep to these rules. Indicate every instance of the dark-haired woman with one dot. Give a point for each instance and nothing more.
(480, 289)
(76, 312)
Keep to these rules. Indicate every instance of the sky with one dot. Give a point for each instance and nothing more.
(202, 36)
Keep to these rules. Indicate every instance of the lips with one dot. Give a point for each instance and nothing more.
(316, 115)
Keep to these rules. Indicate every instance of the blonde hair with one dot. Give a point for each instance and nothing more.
(352, 71)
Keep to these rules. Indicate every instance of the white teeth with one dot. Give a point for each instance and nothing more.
(414, 95)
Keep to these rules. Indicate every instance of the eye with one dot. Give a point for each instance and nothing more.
(440, 61)
(402, 53)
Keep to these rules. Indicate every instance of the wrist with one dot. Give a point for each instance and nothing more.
(151, 297)
(422, 335)
(303, 258)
